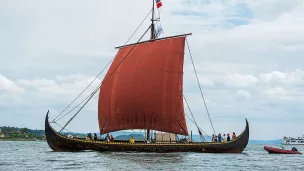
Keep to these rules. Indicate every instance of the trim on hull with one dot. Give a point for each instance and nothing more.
(58, 142)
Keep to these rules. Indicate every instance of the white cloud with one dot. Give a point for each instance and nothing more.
(283, 78)
(70, 84)
(240, 80)
(9, 86)
(10, 92)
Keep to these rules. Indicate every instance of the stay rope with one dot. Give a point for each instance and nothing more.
(198, 127)
(80, 95)
(200, 86)
(202, 137)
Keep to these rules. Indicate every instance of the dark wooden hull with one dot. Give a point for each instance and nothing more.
(58, 142)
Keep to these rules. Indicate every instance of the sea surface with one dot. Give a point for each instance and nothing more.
(22, 155)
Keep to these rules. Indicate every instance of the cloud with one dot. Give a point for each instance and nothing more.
(69, 84)
(9, 86)
(290, 78)
(243, 95)
(248, 56)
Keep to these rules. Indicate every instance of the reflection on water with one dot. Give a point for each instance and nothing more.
(38, 156)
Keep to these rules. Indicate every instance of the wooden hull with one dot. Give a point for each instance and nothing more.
(58, 142)
(272, 150)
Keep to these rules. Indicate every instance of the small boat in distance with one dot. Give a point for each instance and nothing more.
(293, 141)
(272, 150)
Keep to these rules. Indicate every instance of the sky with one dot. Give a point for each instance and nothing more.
(248, 56)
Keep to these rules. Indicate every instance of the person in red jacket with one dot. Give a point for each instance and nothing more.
(111, 138)
(233, 136)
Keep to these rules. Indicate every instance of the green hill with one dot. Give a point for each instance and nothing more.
(20, 134)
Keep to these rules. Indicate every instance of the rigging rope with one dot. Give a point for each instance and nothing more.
(105, 79)
(200, 86)
(74, 108)
(138, 27)
(61, 126)
(80, 95)
(95, 78)
(198, 127)
(202, 138)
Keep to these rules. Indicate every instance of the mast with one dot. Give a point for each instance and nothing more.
(151, 37)
(152, 24)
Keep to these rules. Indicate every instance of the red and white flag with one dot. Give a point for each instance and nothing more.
(158, 3)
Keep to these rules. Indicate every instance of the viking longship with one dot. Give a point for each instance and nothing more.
(143, 90)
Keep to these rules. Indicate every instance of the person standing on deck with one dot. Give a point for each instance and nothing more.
(224, 138)
(228, 137)
(131, 140)
(107, 138)
(219, 137)
(111, 138)
(233, 136)
(90, 136)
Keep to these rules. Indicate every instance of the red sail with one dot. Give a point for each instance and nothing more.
(143, 88)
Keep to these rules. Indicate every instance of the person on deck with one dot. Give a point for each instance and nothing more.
(219, 137)
(90, 136)
(228, 137)
(132, 140)
(111, 138)
(213, 138)
(95, 136)
(224, 138)
(233, 136)
(107, 138)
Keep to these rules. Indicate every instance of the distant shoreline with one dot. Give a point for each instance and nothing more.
(19, 139)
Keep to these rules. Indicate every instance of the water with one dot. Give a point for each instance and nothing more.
(38, 156)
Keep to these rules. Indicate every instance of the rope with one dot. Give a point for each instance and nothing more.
(104, 81)
(198, 127)
(61, 126)
(202, 138)
(73, 108)
(200, 86)
(94, 79)
(82, 91)
(138, 26)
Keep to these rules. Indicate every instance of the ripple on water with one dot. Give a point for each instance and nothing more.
(38, 156)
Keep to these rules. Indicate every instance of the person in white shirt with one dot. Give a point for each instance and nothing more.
(224, 138)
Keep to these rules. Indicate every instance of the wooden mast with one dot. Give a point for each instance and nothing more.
(152, 25)
(151, 38)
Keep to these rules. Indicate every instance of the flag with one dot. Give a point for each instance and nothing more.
(158, 3)
(158, 31)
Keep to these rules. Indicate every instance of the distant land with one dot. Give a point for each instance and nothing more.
(25, 134)
(20, 134)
